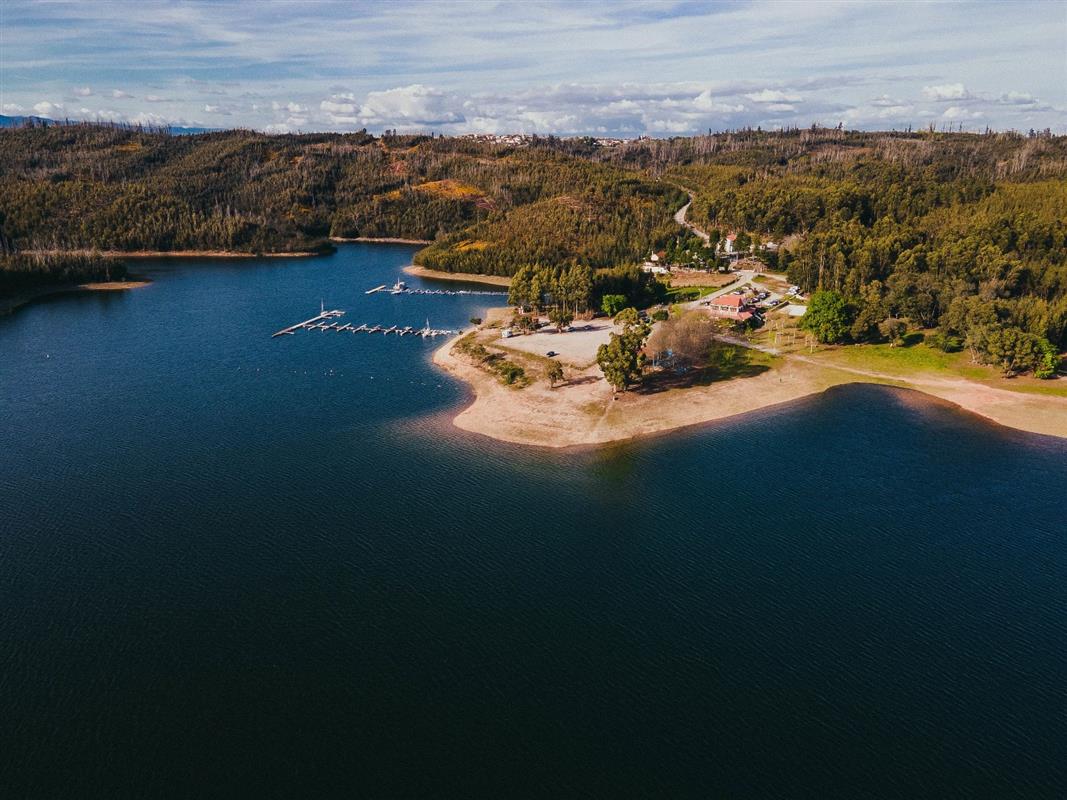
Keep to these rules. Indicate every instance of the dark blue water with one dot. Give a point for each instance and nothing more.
(235, 566)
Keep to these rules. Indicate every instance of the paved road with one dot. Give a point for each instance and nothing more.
(679, 217)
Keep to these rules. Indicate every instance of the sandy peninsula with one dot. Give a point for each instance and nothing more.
(18, 299)
(581, 411)
(465, 277)
(380, 240)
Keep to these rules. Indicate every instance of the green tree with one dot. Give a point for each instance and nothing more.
(612, 304)
(828, 317)
(519, 291)
(621, 359)
(560, 317)
(523, 323)
(1048, 360)
(554, 374)
(873, 309)
(1013, 350)
(894, 330)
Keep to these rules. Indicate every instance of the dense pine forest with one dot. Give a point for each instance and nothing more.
(965, 232)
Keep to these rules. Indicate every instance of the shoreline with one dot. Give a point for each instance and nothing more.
(581, 413)
(464, 277)
(13, 302)
(172, 253)
(380, 240)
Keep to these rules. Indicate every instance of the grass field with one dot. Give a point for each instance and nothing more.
(682, 294)
(920, 359)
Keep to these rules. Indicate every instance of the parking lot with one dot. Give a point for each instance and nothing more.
(577, 346)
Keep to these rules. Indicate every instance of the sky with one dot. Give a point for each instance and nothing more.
(620, 68)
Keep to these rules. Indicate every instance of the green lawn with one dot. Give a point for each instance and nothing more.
(906, 360)
(681, 294)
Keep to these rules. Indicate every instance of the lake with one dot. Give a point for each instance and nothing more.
(232, 565)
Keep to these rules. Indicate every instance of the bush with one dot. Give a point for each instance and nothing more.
(470, 348)
(1048, 361)
(945, 342)
(612, 304)
(659, 315)
(509, 373)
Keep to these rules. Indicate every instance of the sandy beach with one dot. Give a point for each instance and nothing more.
(582, 412)
(465, 277)
(380, 240)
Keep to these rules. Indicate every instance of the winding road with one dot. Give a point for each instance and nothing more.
(680, 215)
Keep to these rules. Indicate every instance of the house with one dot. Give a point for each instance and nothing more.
(730, 306)
(728, 243)
(654, 268)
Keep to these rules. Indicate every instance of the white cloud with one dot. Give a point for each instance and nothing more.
(291, 107)
(502, 61)
(946, 91)
(773, 96)
(291, 125)
(151, 120)
(957, 113)
(670, 125)
(13, 108)
(414, 104)
(333, 106)
(1021, 100)
(82, 91)
(118, 94)
(885, 101)
(47, 109)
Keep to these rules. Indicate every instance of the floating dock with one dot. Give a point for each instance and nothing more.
(314, 322)
(401, 288)
(322, 322)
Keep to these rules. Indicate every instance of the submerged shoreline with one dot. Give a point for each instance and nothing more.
(581, 411)
(13, 302)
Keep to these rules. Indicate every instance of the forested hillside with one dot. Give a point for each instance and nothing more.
(962, 231)
(82, 187)
(965, 232)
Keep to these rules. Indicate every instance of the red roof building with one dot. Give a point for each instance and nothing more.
(730, 306)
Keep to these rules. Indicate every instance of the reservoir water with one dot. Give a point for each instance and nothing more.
(232, 565)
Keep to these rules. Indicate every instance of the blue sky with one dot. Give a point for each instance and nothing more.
(610, 68)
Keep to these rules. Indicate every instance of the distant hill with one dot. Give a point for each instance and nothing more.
(20, 121)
